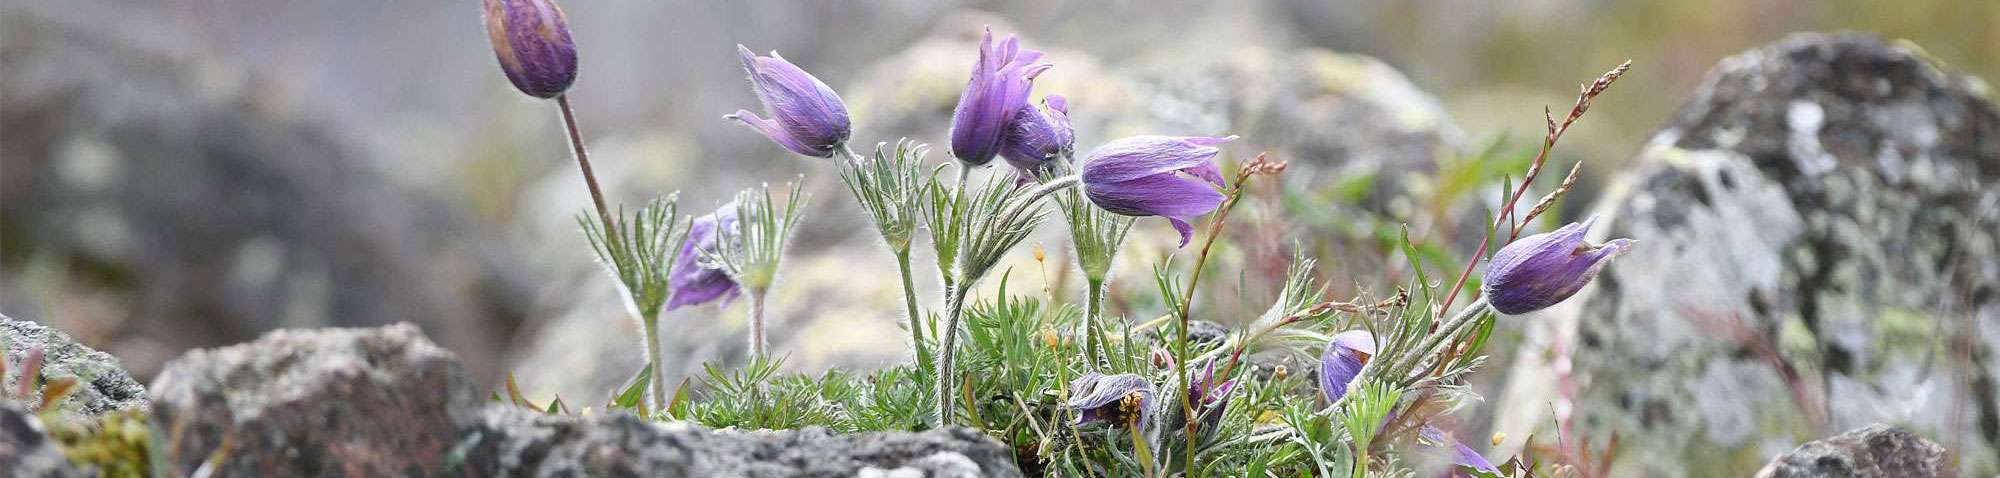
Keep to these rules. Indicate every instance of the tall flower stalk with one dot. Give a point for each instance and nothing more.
(639, 254)
(1095, 234)
(991, 222)
(751, 252)
(891, 187)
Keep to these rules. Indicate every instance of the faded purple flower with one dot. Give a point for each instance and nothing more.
(694, 284)
(531, 39)
(1461, 455)
(1345, 355)
(1118, 400)
(1037, 138)
(1168, 176)
(997, 92)
(1210, 398)
(807, 117)
(1540, 270)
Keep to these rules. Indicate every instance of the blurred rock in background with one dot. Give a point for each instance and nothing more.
(1817, 231)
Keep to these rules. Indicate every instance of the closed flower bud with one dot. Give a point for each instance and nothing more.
(1038, 138)
(1116, 400)
(1211, 399)
(1168, 176)
(1342, 362)
(807, 117)
(531, 38)
(996, 94)
(1543, 269)
(695, 281)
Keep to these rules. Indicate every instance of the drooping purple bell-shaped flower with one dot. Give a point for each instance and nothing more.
(1117, 400)
(1345, 355)
(807, 117)
(531, 39)
(996, 94)
(1211, 399)
(694, 284)
(1543, 269)
(1038, 138)
(1168, 176)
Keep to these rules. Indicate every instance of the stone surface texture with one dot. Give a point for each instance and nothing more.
(1875, 451)
(1816, 229)
(102, 386)
(387, 402)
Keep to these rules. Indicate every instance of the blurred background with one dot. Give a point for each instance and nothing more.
(192, 173)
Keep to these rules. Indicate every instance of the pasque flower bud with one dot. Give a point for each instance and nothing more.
(1543, 269)
(807, 117)
(996, 94)
(531, 39)
(1168, 176)
(1345, 355)
(1038, 138)
(695, 281)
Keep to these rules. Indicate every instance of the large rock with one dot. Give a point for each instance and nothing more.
(25, 449)
(1875, 451)
(1817, 231)
(387, 402)
(328, 402)
(102, 386)
(514, 442)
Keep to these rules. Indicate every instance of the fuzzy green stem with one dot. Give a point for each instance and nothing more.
(946, 352)
(1093, 318)
(759, 347)
(1466, 317)
(659, 377)
(916, 316)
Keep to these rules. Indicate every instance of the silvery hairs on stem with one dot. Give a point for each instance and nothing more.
(891, 187)
(639, 252)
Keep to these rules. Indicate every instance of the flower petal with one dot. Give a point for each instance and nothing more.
(1128, 158)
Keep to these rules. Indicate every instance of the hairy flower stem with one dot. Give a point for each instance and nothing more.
(1465, 318)
(759, 347)
(923, 355)
(1093, 318)
(583, 163)
(659, 377)
(947, 347)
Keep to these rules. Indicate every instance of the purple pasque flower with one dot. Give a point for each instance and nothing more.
(1461, 455)
(1117, 400)
(996, 94)
(1037, 138)
(1540, 270)
(693, 282)
(1174, 177)
(531, 39)
(807, 117)
(1211, 399)
(1342, 362)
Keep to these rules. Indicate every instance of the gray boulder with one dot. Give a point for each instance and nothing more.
(387, 402)
(25, 450)
(1816, 228)
(102, 386)
(513, 442)
(326, 402)
(1875, 451)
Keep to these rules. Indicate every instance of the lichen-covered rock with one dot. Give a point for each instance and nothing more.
(508, 441)
(25, 449)
(1875, 451)
(102, 386)
(326, 402)
(1817, 231)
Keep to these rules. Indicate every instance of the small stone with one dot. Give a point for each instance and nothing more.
(1874, 451)
(25, 451)
(102, 385)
